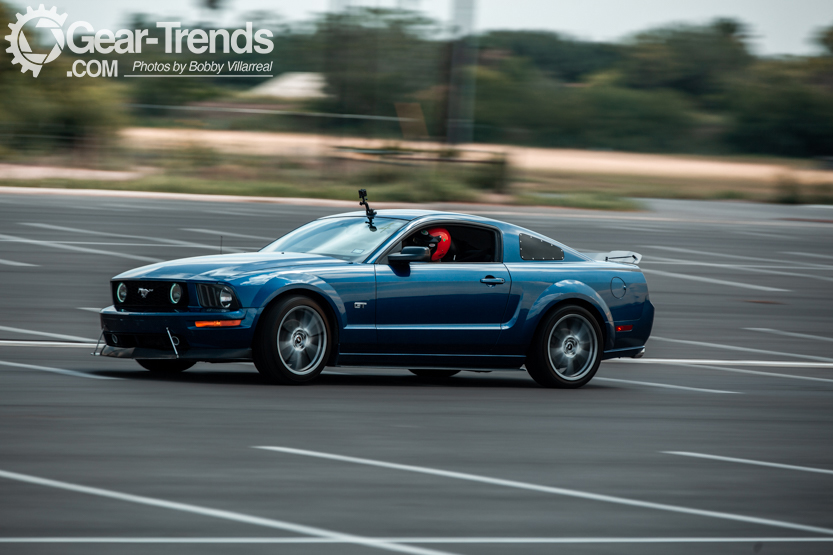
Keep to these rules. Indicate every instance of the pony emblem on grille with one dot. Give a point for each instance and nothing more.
(144, 292)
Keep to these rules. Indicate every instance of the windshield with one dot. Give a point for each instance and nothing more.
(345, 238)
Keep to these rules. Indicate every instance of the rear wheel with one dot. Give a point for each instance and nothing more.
(566, 351)
(292, 342)
(434, 374)
(165, 366)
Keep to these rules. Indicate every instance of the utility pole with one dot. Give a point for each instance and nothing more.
(461, 77)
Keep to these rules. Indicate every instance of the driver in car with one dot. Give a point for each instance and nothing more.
(437, 239)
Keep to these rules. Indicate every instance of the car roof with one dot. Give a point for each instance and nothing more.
(412, 214)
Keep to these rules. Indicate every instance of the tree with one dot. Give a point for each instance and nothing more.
(825, 39)
(555, 55)
(695, 60)
(374, 57)
(774, 112)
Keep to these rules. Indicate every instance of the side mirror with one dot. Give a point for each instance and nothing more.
(410, 254)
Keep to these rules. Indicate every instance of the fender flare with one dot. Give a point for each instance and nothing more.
(568, 289)
(286, 283)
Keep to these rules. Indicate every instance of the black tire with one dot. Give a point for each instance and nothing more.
(567, 349)
(293, 341)
(165, 367)
(434, 374)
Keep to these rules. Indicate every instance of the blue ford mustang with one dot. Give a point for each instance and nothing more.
(433, 292)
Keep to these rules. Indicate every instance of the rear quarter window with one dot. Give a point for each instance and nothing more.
(533, 248)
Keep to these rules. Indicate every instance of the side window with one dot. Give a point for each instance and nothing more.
(533, 248)
(466, 243)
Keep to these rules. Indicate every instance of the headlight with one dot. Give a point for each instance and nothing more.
(215, 295)
(226, 297)
(176, 293)
(121, 292)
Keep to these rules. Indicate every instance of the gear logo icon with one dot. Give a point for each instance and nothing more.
(21, 50)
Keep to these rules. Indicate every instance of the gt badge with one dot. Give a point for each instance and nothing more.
(359, 305)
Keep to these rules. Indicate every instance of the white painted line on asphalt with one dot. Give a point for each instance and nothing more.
(709, 254)
(669, 386)
(40, 344)
(757, 373)
(715, 281)
(45, 334)
(105, 234)
(739, 257)
(743, 349)
(13, 263)
(553, 490)
(791, 334)
(113, 244)
(697, 361)
(89, 309)
(767, 235)
(809, 255)
(414, 540)
(76, 248)
(748, 461)
(228, 234)
(55, 370)
(744, 268)
(221, 514)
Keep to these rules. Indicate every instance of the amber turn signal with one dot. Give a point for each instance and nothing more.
(217, 323)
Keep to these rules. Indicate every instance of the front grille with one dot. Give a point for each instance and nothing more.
(157, 298)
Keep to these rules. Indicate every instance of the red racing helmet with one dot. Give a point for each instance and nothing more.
(443, 241)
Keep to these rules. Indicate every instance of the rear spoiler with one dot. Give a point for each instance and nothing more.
(622, 257)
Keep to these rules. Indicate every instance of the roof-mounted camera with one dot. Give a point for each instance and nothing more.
(368, 210)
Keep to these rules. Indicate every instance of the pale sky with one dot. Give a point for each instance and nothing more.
(777, 26)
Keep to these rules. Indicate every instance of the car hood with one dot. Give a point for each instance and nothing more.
(228, 266)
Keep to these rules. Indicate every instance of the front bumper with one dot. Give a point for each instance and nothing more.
(145, 335)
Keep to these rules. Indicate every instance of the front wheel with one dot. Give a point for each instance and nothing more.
(566, 350)
(292, 342)
(165, 367)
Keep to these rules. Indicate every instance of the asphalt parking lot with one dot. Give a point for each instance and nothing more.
(719, 441)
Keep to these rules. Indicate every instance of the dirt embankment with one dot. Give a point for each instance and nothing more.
(568, 161)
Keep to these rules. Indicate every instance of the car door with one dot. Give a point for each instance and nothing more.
(440, 308)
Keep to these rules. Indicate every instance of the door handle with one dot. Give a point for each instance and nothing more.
(491, 281)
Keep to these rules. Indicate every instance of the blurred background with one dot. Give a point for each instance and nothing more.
(593, 104)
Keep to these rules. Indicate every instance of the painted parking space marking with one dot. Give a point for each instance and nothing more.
(724, 362)
(736, 257)
(665, 385)
(741, 268)
(46, 334)
(221, 514)
(552, 490)
(791, 334)
(741, 349)
(714, 281)
(44, 344)
(809, 255)
(62, 371)
(412, 540)
(228, 234)
(76, 248)
(106, 234)
(749, 461)
(5, 262)
(756, 372)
